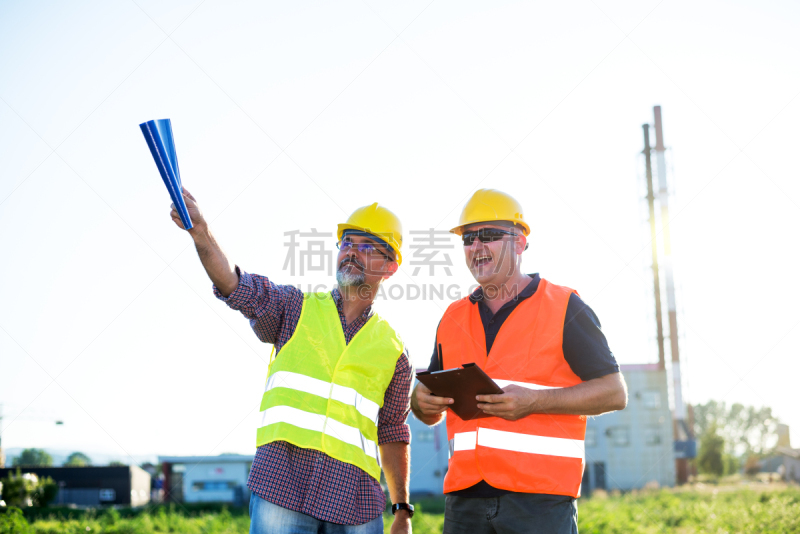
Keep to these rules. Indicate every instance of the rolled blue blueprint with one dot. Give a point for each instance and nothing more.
(158, 134)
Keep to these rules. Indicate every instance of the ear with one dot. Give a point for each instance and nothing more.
(521, 244)
(391, 268)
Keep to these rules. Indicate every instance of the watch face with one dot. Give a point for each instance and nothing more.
(403, 506)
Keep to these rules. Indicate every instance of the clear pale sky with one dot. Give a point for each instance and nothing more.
(287, 116)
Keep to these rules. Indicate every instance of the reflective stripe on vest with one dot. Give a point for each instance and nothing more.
(538, 453)
(529, 385)
(325, 394)
(512, 441)
(320, 388)
(317, 423)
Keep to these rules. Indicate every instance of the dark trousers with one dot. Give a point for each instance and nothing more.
(512, 513)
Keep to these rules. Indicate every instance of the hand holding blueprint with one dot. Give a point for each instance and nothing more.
(158, 134)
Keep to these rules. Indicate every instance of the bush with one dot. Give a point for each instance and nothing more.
(45, 492)
(17, 488)
(28, 490)
(13, 522)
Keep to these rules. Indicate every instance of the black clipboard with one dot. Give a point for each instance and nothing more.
(461, 384)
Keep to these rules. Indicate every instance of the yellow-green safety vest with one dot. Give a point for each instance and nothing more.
(323, 393)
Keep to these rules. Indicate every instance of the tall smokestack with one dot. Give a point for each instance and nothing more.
(682, 431)
(783, 436)
(663, 200)
(654, 244)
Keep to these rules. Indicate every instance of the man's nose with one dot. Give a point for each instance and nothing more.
(475, 246)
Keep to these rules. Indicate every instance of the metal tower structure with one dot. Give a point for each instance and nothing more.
(685, 446)
(654, 244)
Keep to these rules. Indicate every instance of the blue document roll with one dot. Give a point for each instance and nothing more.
(158, 134)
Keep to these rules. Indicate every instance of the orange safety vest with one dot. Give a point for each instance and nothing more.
(540, 453)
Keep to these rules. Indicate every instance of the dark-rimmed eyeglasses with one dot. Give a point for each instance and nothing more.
(367, 248)
(484, 235)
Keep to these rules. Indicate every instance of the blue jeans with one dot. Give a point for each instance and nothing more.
(268, 518)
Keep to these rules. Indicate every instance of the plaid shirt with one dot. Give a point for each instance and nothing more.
(307, 480)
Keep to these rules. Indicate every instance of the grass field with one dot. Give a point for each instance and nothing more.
(695, 510)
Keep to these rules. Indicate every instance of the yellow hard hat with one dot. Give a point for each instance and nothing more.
(379, 222)
(491, 205)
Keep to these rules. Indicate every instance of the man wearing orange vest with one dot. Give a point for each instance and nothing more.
(521, 469)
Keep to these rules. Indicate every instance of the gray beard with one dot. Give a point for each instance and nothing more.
(350, 279)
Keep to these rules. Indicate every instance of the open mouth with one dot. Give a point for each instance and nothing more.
(482, 260)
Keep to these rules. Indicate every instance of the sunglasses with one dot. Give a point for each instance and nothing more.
(367, 248)
(484, 235)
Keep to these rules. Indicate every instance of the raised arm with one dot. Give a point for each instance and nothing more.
(219, 269)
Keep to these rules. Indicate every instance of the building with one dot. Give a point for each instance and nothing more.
(126, 485)
(220, 478)
(625, 450)
(633, 448)
(785, 460)
(429, 454)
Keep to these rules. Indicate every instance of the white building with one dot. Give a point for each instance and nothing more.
(207, 478)
(632, 448)
(429, 454)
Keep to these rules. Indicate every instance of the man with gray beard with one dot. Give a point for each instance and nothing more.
(334, 407)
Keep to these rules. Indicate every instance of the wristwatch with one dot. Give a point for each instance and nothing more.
(403, 506)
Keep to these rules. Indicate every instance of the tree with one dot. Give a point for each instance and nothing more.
(746, 430)
(116, 463)
(33, 458)
(78, 459)
(710, 458)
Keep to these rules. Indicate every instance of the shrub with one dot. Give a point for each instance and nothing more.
(13, 522)
(17, 488)
(45, 492)
(28, 490)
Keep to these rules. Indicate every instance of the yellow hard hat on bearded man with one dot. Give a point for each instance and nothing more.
(491, 205)
(378, 221)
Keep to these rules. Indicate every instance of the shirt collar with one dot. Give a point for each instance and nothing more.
(339, 300)
(529, 290)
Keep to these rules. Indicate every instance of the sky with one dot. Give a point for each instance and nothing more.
(287, 116)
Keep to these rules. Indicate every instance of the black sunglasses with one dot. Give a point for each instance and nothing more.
(484, 235)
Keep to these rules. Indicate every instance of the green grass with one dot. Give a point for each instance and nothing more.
(684, 511)
(713, 511)
(160, 519)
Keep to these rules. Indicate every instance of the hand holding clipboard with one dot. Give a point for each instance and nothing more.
(461, 385)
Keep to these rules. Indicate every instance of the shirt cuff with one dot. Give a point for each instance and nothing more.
(243, 295)
(394, 433)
